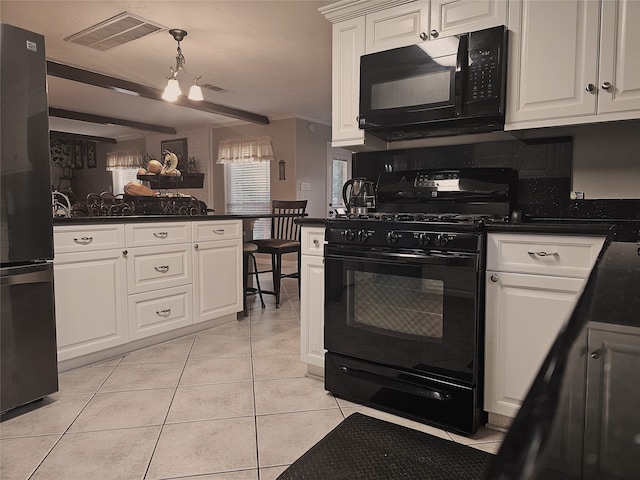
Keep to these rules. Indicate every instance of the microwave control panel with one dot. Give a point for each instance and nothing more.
(483, 74)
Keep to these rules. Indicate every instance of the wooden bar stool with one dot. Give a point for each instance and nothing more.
(248, 250)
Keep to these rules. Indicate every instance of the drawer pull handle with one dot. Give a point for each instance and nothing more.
(162, 268)
(163, 313)
(544, 254)
(219, 231)
(160, 234)
(84, 240)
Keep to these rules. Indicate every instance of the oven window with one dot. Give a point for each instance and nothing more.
(398, 304)
(426, 89)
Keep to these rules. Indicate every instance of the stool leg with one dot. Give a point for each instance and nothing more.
(245, 275)
(277, 268)
(255, 270)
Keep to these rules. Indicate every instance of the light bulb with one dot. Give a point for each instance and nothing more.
(195, 93)
(172, 91)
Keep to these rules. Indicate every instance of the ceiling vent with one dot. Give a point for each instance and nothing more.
(115, 31)
(213, 88)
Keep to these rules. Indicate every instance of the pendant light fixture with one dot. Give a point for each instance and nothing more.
(172, 90)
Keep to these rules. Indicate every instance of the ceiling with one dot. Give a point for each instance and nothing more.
(271, 58)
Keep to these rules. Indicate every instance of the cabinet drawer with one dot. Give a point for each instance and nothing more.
(147, 234)
(224, 230)
(160, 311)
(543, 254)
(312, 241)
(77, 238)
(152, 268)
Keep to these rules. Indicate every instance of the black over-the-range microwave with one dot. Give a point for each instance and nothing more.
(447, 86)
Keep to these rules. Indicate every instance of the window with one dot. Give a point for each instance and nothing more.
(247, 187)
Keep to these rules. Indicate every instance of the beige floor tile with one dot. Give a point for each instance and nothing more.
(240, 475)
(109, 363)
(269, 328)
(49, 416)
(483, 435)
(209, 402)
(200, 371)
(198, 448)
(136, 408)
(235, 328)
(405, 422)
(19, 457)
(285, 437)
(217, 346)
(106, 455)
(174, 351)
(277, 344)
(292, 395)
(271, 313)
(143, 376)
(278, 366)
(271, 473)
(83, 381)
(490, 447)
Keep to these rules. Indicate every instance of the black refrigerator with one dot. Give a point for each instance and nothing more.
(28, 365)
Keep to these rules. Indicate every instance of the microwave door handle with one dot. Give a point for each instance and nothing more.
(462, 62)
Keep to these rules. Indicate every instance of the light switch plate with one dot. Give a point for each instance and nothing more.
(305, 186)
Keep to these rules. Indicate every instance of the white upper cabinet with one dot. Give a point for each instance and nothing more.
(398, 26)
(453, 17)
(569, 64)
(619, 79)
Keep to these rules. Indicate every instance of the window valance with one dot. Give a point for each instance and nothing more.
(131, 159)
(251, 149)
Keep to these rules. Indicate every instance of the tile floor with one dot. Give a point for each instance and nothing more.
(228, 403)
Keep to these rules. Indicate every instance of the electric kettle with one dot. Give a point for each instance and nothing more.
(361, 198)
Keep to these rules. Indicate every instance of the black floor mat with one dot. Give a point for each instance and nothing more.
(365, 448)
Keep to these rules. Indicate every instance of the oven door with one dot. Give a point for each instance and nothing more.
(409, 309)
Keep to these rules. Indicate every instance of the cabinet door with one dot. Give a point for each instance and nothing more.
(348, 46)
(553, 55)
(619, 59)
(217, 268)
(312, 310)
(524, 314)
(398, 26)
(453, 17)
(90, 292)
(613, 392)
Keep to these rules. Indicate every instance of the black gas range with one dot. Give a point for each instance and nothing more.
(404, 295)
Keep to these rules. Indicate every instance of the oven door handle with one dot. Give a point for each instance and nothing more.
(401, 257)
(411, 388)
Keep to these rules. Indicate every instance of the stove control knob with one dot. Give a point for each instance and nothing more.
(441, 240)
(362, 236)
(392, 237)
(349, 235)
(424, 239)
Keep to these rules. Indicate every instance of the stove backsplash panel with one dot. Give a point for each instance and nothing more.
(543, 166)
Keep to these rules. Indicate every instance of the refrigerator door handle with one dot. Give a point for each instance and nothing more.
(18, 278)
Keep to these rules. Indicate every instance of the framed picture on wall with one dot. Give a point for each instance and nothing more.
(78, 154)
(179, 147)
(92, 161)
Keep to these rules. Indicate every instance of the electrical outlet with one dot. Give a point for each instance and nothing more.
(305, 187)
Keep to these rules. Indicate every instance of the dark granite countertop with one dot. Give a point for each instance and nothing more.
(311, 222)
(156, 218)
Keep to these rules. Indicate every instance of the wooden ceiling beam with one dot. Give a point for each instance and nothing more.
(124, 86)
(91, 118)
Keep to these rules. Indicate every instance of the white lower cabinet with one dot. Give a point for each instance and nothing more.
(91, 301)
(217, 268)
(312, 298)
(532, 285)
(108, 297)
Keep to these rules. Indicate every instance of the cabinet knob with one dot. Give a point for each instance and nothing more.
(590, 88)
(493, 278)
(316, 242)
(595, 355)
(434, 33)
(606, 86)
(195, 245)
(125, 252)
(424, 36)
